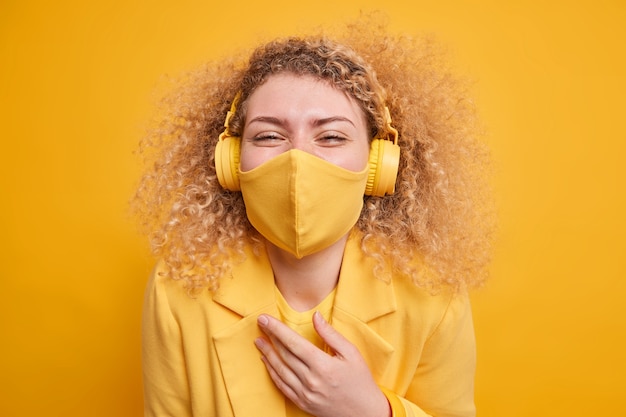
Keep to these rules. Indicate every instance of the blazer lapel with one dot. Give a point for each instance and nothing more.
(362, 297)
(248, 293)
(249, 386)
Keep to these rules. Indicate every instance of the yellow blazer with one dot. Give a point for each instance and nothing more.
(199, 358)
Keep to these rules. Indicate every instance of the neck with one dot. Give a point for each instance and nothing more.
(305, 282)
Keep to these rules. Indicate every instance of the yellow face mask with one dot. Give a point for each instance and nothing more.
(302, 203)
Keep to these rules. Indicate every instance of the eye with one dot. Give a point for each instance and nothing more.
(269, 136)
(332, 139)
(267, 139)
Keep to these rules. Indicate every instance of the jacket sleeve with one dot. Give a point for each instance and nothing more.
(166, 388)
(443, 385)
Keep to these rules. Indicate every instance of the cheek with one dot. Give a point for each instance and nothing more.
(252, 157)
(356, 160)
(248, 160)
(365, 155)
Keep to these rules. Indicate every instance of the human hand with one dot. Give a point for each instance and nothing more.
(324, 385)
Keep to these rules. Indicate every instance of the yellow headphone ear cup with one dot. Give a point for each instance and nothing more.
(383, 168)
(227, 153)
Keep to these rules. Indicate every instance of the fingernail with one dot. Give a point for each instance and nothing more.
(262, 320)
(259, 343)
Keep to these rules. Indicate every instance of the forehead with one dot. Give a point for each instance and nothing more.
(287, 82)
(285, 91)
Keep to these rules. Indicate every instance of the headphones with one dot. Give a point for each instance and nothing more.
(384, 158)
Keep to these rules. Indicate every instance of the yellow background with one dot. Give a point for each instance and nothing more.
(76, 87)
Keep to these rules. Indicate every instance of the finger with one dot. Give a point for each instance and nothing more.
(281, 355)
(333, 339)
(292, 347)
(284, 387)
(282, 375)
(278, 356)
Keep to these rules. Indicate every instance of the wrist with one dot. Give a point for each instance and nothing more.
(396, 408)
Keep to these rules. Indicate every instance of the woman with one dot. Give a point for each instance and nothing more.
(316, 255)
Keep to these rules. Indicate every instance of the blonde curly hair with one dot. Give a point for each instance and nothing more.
(437, 226)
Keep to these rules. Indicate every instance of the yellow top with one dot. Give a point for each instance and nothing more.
(302, 323)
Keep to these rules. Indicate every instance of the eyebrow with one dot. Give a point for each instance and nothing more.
(316, 122)
(321, 122)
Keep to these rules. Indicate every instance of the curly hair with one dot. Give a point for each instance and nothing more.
(437, 226)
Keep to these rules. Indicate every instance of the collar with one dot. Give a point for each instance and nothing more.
(250, 288)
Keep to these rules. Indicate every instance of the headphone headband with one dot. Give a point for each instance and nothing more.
(391, 130)
(229, 116)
